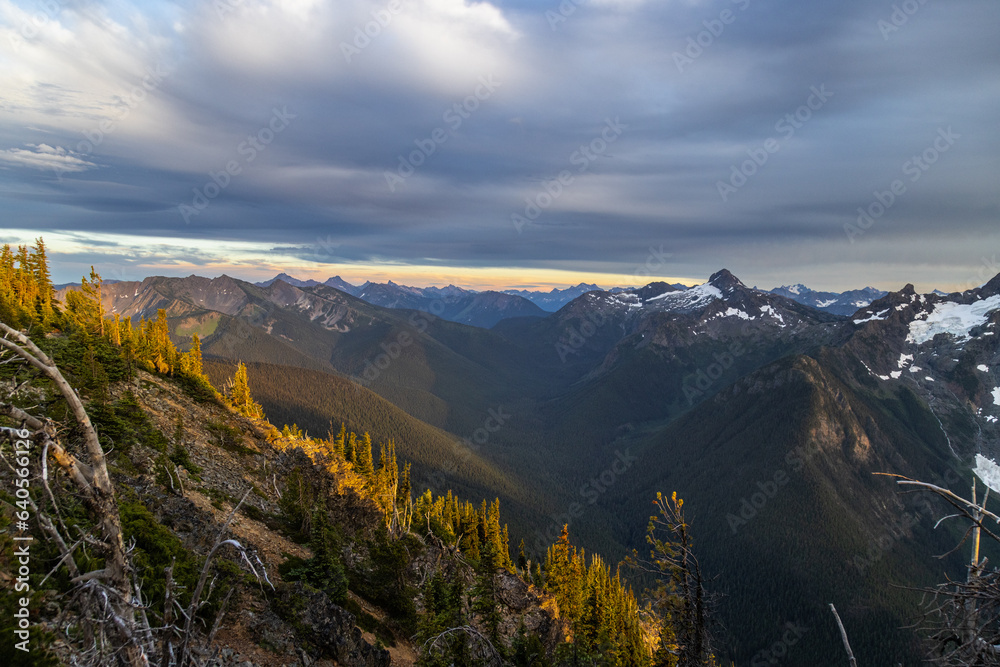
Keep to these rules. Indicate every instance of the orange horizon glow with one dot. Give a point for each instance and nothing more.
(474, 278)
(129, 257)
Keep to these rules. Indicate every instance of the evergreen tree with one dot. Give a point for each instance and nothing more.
(239, 394)
(350, 448)
(325, 570)
(505, 561)
(84, 306)
(193, 361)
(679, 596)
(7, 274)
(363, 458)
(337, 442)
(485, 595)
(116, 331)
(564, 577)
(527, 650)
(43, 282)
(403, 494)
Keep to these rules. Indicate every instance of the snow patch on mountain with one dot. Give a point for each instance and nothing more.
(874, 318)
(983, 368)
(691, 298)
(736, 312)
(996, 396)
(957, 319)
(988, 471)
(772, 312)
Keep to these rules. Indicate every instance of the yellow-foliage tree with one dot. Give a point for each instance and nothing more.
(238, 394)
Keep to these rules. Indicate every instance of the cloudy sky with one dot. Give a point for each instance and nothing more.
(506, 143)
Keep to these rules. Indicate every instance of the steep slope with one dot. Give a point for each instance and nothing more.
(320, 579)
(946, 349)
(778, 470)
(647, 355)
(315, 401)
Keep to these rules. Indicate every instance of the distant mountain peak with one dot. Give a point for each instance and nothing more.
(725, 281)
(287, 279)
(339, 283)
(839, 303)
(797, 288)
(653, 290)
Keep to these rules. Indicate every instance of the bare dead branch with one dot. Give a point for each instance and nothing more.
(843, 636)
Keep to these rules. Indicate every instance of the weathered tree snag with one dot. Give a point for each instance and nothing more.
(962, 619)
(94, 485)
(843, 636)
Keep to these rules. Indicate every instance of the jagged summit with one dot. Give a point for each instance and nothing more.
(654, 290)
(725, 281)
(796, 289)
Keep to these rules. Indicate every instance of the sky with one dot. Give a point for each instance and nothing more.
(506, 144)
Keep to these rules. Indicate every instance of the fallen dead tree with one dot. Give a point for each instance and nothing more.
(105, 605)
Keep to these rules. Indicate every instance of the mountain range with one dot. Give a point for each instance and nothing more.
(458, 300)
(843, 303)
(769, 416)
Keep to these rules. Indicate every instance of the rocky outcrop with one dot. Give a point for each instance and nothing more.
(330, 629)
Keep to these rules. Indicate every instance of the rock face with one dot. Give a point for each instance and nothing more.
(525, 605)
(330, 628)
